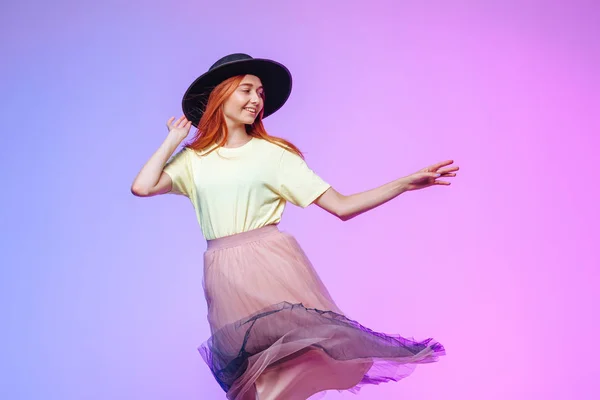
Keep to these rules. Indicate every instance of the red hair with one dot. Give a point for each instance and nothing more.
(212, 128)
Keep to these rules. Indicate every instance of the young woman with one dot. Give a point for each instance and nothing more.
(276, 333)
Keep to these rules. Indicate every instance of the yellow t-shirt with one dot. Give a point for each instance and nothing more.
(235, 190)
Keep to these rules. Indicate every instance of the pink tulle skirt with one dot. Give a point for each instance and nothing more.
(276, 333)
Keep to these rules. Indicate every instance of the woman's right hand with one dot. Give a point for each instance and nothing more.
(179, 128)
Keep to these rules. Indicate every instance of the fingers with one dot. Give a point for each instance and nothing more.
(185, 123)
(447, 170)
(429, 176)
(444, 175)
(182, 122)
(169, 122)
(436, 167)
(444, 172)
(439, 165)
(426, 175)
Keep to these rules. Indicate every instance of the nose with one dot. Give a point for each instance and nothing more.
(255, 98)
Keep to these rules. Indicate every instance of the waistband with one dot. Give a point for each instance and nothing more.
(241, 238)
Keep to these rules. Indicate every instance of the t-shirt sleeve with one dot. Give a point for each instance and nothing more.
(297, 183)
(179, 169)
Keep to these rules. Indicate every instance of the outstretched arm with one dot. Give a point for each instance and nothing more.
(347, 207)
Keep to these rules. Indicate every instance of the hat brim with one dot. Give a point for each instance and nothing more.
(275, 77)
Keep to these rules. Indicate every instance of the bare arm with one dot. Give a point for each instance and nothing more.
(151, 180)
(347, 207)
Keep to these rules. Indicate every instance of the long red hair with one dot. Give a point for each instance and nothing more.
(212, 129)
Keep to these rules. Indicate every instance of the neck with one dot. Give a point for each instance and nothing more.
(236, 134)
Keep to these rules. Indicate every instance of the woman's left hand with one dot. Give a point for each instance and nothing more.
(429, 176)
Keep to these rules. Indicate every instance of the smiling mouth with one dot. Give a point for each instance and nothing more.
(250, 110)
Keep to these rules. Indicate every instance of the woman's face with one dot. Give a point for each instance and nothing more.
(246, 102)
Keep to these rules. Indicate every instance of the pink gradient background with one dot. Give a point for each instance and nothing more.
(101, 291)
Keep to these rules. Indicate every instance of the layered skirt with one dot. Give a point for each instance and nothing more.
(277, 334)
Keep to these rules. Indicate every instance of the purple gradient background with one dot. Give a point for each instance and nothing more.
(101, 291)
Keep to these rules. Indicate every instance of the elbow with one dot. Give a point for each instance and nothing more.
(336, 204)
(344, 216)
(342, 210)
(139, 191)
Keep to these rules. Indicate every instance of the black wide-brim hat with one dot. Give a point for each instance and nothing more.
(275, 77)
